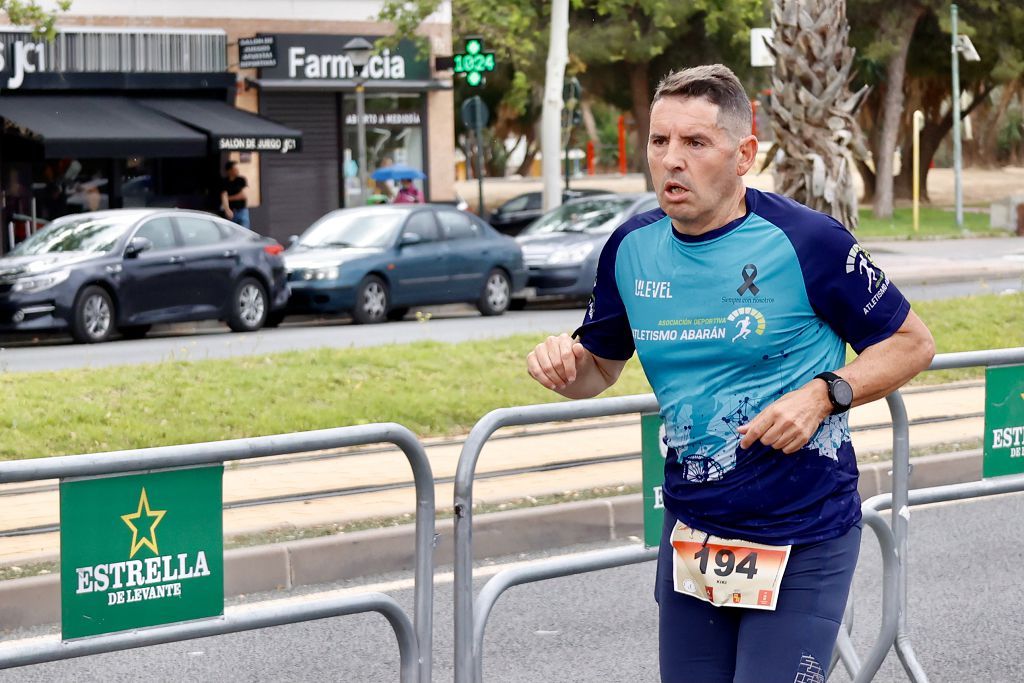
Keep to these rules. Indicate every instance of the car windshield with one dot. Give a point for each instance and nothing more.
(359, 228)
(87, 233)
(591, 215)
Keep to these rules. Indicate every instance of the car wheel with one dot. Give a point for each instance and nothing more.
(248, 306)
(274, 319)
(396, 314)
(94, 316)
(371, 301)
(496, 295)
(134, 331)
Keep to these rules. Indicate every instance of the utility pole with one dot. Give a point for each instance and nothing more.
(551, 119)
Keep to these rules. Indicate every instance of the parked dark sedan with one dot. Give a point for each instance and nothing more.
(128, 269)
(376, 262)
(562, 248)
(511, 217)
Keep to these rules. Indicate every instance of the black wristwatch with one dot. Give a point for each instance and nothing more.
(840, 393)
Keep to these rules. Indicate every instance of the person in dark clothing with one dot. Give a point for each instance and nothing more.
(232, 196)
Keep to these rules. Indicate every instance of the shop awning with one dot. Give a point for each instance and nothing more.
(229, 129)
(96, 127)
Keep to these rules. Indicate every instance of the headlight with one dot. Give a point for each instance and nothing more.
(37, 283)
(572, 255)
(321, 273)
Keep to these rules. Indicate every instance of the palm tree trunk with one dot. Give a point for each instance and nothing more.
(812, 108)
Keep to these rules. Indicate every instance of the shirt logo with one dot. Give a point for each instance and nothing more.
(859, 261)
(747, 320)
(748, 273)
(652, 289)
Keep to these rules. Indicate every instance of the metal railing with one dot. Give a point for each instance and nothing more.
(467, 659)
(470, 621)
(414, 640)
(902, 498)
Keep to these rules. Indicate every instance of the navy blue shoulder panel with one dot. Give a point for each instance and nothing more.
(845, 287)
(605, 331)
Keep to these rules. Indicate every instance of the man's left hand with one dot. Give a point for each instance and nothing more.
(790, 422)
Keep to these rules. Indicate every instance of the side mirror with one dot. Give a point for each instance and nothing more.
(293, 240)
(409, 238)
(136, 246)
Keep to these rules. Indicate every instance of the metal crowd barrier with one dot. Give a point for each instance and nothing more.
(470, 621)
(414, 642)
(902, 498)
(468, 661)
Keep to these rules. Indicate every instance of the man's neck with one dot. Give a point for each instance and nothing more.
(735, 207)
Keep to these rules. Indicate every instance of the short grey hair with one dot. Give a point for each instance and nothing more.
(718, 85)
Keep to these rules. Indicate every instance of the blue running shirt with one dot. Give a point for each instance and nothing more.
(724, 324)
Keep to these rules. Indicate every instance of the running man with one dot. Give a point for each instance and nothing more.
(744, 325)
(756, 560)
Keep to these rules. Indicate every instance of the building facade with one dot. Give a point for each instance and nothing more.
(297, 151)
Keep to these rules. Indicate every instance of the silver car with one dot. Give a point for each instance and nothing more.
(561, 248)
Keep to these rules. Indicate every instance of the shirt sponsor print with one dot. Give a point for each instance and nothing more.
(859, 264)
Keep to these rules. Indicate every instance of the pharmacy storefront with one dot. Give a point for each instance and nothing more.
(308, 84)
(119, 117)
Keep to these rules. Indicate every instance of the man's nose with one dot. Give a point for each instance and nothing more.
(675, 156)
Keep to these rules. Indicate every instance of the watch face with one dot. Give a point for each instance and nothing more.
(842, 392)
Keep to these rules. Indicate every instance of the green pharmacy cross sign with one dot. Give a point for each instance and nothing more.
(474, 62)
(141, 550)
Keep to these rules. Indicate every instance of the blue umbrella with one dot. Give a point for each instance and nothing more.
(398, 172)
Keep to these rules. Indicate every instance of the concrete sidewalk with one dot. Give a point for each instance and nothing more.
(921, 262)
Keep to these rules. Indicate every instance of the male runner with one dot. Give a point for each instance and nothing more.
(762, 513)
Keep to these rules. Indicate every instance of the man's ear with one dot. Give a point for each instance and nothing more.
(746, 154)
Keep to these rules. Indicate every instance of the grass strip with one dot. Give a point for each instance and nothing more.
(432, 388)
(934, 223)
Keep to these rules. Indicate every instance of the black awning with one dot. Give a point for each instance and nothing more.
(230, 129)
(97, 127)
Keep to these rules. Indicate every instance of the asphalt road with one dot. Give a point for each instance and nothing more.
(445, 323)
(964, 615)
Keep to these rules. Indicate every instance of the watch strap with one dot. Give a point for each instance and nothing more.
(830, 378)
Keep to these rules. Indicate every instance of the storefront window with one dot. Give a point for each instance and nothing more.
(394, 135)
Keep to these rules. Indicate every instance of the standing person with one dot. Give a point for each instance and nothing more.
(408, 193)
(232, 195)
(740, 305)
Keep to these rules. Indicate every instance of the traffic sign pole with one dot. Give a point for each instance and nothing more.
(474, 116)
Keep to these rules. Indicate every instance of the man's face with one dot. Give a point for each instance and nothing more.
(232, 173)
(695, 164)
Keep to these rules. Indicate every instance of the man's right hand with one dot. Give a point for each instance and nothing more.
(228, 213)
(555, 361)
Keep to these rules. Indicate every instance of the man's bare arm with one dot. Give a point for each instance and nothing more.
(563, 365)
(790, 422)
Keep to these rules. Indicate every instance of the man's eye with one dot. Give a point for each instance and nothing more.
(696, 143)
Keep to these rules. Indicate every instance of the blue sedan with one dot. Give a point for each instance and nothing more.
(376, 262)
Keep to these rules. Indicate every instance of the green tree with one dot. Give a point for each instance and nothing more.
(626, 46)
(996, 27)
(31, 13)
(516, 31)
(618, 48)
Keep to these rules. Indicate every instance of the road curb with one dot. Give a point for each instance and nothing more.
(35, 600)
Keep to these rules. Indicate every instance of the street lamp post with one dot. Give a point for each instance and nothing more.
(957, 162)
(358, 51)
(961, 44)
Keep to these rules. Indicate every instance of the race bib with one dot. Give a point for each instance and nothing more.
(727, 572)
